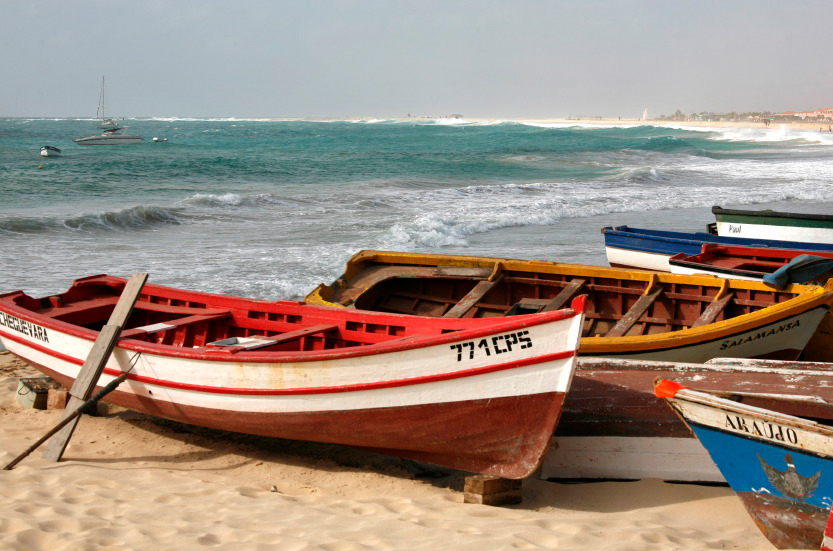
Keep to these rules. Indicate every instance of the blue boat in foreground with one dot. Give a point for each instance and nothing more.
(779, 465)
(641, 248)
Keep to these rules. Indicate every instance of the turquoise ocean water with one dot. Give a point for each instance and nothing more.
(269, 209)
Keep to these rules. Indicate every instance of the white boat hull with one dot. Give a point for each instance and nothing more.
(781, 233)
(628, 258)
(105, 139)
(703, 271)
(631, 458)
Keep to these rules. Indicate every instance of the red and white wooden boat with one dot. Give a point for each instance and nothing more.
(749, 263)
(481, 395)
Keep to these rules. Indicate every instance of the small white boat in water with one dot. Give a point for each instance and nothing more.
(49, 151)
(160, 139)
(109, 137)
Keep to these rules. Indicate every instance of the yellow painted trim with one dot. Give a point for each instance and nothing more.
(807, 296)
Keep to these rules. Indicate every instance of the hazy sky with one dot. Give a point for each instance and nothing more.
(374, 58)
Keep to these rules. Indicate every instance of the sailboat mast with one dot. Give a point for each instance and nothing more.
(100, 113)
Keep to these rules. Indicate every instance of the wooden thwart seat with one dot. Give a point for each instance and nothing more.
(238, 344)
(713, 310)
(632, 316)
(172, 324)
(472, 297)
(62, 311)
(535, 305)
(566, 294)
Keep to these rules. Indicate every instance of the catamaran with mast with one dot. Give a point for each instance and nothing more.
(110, 128)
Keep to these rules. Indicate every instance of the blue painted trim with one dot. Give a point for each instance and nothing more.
(670, 242)
(737, 457)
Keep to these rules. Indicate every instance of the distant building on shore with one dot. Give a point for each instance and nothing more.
(818, 114)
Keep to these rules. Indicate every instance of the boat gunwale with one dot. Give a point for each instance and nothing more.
(721, 404)
(652, 241)
(309, 390)
(394, 344)
(718, 211)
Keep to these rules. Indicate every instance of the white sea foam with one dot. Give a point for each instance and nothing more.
(211, 199)
(273, 224)
(578, 124)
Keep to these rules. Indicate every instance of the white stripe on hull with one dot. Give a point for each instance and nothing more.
(629, 457)
(782, 233)
(703, 271)
(792, 334)
(769, 426)
(437, 360)
(532, 379)
(637, 259)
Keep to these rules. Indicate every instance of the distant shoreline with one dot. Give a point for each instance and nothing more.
(824, 127)
(805, 126)
(816, 126)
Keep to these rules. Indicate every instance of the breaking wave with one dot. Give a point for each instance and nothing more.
(133, 218)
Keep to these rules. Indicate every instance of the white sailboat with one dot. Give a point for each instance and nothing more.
(104, 121)
(110, 128)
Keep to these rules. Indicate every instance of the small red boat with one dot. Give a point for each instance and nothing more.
(753, 263)
(480, 395)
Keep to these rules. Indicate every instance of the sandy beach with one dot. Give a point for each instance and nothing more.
(133, 482)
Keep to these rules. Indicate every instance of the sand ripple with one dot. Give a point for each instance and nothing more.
(132, 483)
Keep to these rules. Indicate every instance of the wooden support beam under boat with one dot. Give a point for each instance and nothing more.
(721, 300)
(492, 490)
(476, 294)
(626, 322)
(90, 372)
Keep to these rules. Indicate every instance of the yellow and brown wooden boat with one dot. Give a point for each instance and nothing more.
(631, 314)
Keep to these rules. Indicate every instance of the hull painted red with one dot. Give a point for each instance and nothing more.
(480, 436)
(787, 523)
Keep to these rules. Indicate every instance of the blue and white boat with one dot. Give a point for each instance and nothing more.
(628, 247)
(779, 465)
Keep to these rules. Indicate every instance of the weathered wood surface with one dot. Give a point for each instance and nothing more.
(610, 397)
(632, 316)
(472, 298)
(492, 490)
(566, 294)
(90, 372)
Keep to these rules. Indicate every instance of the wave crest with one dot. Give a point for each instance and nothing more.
(133, 218)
